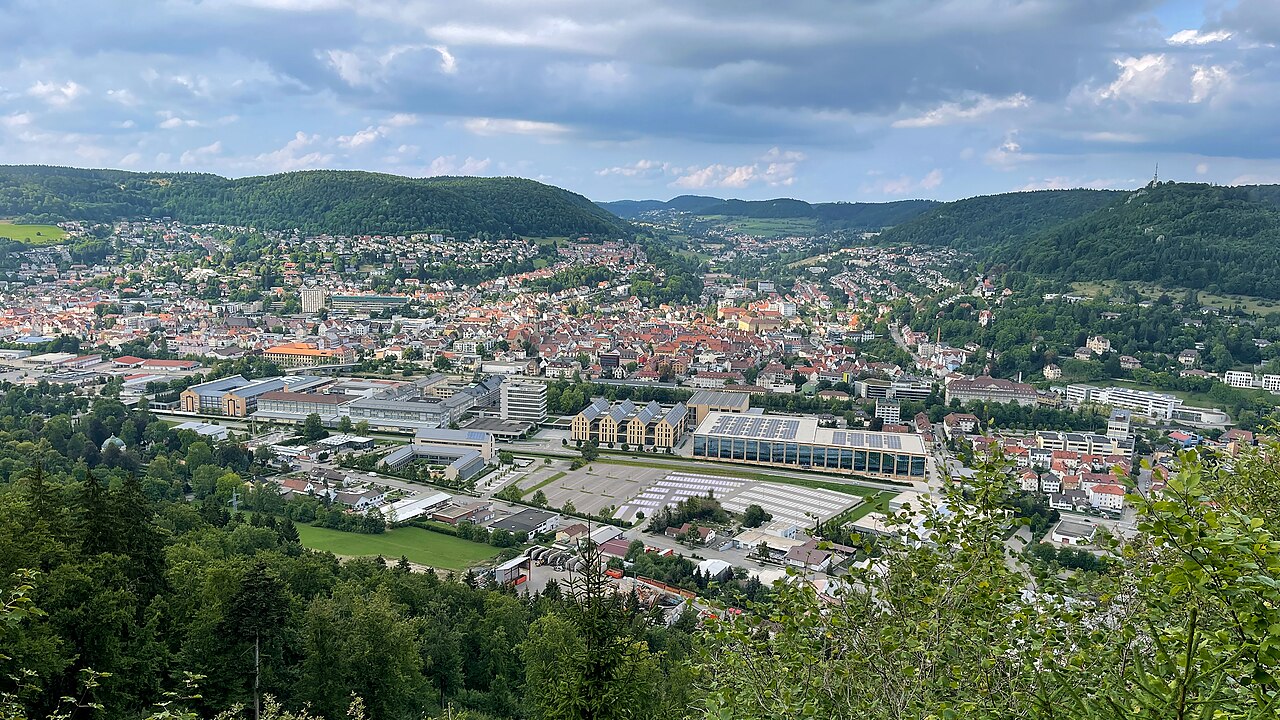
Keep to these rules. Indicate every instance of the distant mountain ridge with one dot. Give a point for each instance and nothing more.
(316, 201)
(830, 216)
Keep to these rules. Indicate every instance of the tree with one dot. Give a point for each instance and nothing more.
(344, 424)
(256, 612)
(506, 457)
(755, 516)
(313, 428)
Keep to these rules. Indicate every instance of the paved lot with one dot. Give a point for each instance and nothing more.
(592, 488)
(793, 504)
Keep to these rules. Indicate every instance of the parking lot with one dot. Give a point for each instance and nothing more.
(797, 505)
(631, 489)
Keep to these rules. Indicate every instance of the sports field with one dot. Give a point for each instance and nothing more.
(32, 234)
(420, 546)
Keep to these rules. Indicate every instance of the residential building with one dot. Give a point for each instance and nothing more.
(313, 299)
(1120, 423)
(1240, 379)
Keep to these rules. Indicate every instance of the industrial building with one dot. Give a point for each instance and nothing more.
(459, 463)
(237, 395)
(798, 442)
(704, 402)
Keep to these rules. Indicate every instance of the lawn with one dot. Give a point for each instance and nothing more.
(420, 546)
(767, 227)
(32, 234)
(879, 503)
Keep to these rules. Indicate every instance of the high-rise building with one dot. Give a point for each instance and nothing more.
(524, 401)
(313, 299)
(1120, 424)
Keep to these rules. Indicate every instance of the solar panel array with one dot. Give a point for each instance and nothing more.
(867, 440)
(756, 427)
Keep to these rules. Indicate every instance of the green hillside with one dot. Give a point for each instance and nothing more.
(824, 216)
(1218, 239)
(994, 220)
(343, 202)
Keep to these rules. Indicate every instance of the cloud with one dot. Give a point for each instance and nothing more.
(499, 126)
(363, 137)
(202, 154)
(1195, 37)
(775, 168)
(1202, 168)
(903, 184)
(57, 95)
(640, 168)
(950, 113)
(449, 165)
(297, 154)
(15, 120)
(131, 160)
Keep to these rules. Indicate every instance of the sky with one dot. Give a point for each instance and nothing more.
(825, 100)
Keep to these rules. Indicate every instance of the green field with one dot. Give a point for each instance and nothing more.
(767, 227)
(420, 546)
(32, 234)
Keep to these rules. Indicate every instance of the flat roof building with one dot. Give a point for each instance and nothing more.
(708, 401)
(798, 442)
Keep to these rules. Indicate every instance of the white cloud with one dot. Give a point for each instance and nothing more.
(1206, 80)
(903, 184)
(1195, 37)
(1255, 179)
(297, 154)
(368, 68)
(402, 120)
(1008, 154)
(640, 168)
(57, 95)
(123, 96)
(502, 126)
(131, 159)
(1202, 169)
(201, 154)
(951, 112)
(776, 168)
(1114, 137)
(449, 165)
(363, 137)
(15, 120)
(1140, 78)
(126, 124)
(1061, 182)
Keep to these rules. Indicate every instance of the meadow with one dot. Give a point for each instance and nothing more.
(424, 547)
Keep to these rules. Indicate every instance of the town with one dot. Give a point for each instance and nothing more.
(767, 414)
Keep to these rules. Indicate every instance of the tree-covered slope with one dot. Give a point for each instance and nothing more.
(343, 202)
(829, 216)
(1223, 239)
(992, 220)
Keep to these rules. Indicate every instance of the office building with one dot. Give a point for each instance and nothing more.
(889, 411)
(1120, 424)
(798, 442)
(524, 401)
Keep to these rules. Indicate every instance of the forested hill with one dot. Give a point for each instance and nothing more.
(330, 201)
(982, 222)
(829, 216)
(1220, 239)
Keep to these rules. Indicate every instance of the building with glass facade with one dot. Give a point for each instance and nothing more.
(798, 442)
